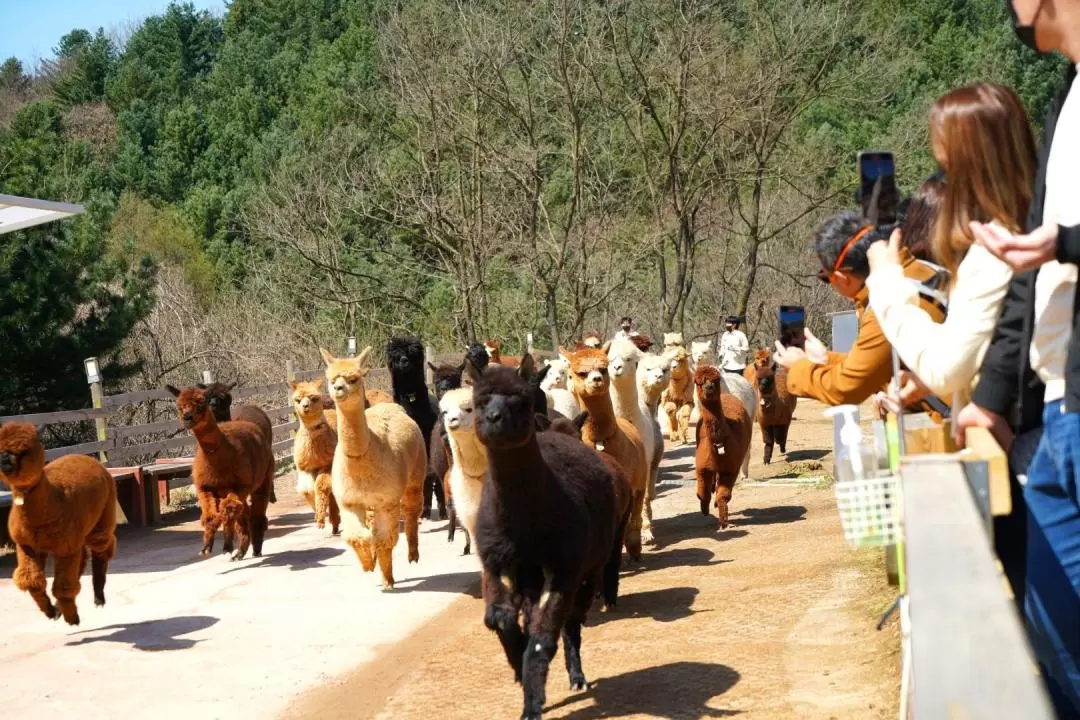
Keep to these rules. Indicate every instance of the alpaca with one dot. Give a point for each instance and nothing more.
(643, 343)
(701, 353)
(445, 377)
(623, 359)
(493, 348)
(66, 509)
(673, 340)
(606, 432)
(653, 375)
(777, 404)
(677, 400)
(723, 440)
(559, 398)
(477, 354)
(233, 462)
(405, 359)
(591, 339)
(219, 397)
(313, 453)
(469, 467)
(379, 468)
(549, 528)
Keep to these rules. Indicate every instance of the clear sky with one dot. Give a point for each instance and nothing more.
(30, 29)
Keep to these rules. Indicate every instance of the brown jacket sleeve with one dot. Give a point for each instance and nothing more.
(851, 377)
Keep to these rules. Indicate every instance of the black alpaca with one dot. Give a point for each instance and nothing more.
(405, 359)
(549, 530)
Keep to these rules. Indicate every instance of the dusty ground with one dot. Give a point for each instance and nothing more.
(773, 618)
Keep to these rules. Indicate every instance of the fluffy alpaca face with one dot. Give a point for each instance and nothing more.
(623, 359)
(558, 372)
(764, 371)
(701, 351)
(679, 363)
(491, 347)
(219, 397)
(503, 404)
(708, 383)
(192, 405)
(673, 340)
(589, 367)
(22, 457)
(457, 411)
(345, 376)
(307, 401)
(446, 378)
(592, 340)
(653, 374)
(405, 358)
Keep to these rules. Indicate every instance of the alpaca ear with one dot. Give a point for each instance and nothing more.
(432, 366)
(293, 385)
(527, 368)
(362, 358)
(174, 391)
(319, 383)
(326, 356)
(471, 372)
(565, 354)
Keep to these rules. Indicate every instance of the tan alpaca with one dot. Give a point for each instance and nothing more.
(623, 359)
(611, 435)
(313, 453)
(678, 399)
(379, 468)
(470, 464)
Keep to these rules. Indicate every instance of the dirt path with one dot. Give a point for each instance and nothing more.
(773, 618)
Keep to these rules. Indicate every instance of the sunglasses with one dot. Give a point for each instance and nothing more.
(826, 276)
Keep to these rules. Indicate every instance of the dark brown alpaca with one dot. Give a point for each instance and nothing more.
(549, 529)
(66, 509)
(777, 405)
(219, 397)
(232, 463)
(723, 439)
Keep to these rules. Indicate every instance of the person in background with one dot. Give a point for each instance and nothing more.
(1030, 377)
(733, 347)
(626, 331)
(854, 376)
(981, 137)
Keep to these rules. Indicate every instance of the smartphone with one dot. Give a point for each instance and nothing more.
(792, 326)
(877, 187)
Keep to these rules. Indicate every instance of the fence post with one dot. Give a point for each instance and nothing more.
(350, 346)
(429, 356)
(93, 378)
(290, 377)
(529, 343)
(208, 377)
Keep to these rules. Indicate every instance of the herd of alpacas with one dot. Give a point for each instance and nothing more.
(550, 472)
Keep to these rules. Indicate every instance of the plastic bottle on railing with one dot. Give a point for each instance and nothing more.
(854, 460)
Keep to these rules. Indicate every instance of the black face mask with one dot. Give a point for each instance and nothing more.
(1024, 33)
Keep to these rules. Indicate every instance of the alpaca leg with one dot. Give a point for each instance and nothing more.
(684, 423)
(335, 516)
(746, 465)
(501, 609)
(410, 508)
(468, 542)
(633, 526)
(440, 496)
(385, 536)
(242, 519)
(546, 622)
(228, 528)
(355, 532)
(323, 497)
(723, 497)
(768, 435)
(673, 423)
(102, 546)
(610, 584)
(30, 577)
(646, 521)
(706, 480)
(429, 491)
(211, 519)
(781, 437)
(258, 522)
(66, 584)
(571, 634)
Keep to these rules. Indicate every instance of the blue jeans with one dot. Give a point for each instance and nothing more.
(1052, 602)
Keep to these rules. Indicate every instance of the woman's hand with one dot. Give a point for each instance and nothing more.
(881, 253)
(911, 390)
(974, 416)
(787, 356)
(1020, 252)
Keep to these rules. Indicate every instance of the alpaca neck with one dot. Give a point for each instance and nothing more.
(513, 471)
(468, 452)
(650, 398)
(209, 436)
(678, 385)
(39, 501)
(601, 423)
(354, 438)
(313, 422)
(624, 397)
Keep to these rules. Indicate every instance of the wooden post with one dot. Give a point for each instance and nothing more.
(290, 377)
(429, 355)
(97, 396)
(529, 343)
(350, 346)
(208, 377)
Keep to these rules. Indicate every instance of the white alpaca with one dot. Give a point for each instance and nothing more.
(470, 456)
(701, 353)
(623, 360)
(672, 340)
(554, 386)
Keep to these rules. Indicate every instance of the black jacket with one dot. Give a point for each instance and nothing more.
(1007, 384)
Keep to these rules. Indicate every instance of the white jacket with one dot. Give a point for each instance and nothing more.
(733, 349)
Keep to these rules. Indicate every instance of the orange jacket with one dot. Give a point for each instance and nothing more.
(852, 377)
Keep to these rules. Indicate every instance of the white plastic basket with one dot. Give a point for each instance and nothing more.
(870, 510)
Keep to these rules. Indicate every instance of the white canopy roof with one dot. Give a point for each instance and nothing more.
(17, 213)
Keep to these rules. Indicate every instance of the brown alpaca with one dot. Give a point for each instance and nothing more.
(678, 399)
(777, 405)
(65, 509)
(612, 435)
(591, 339)
(723, 439)
(496, 356)
(379, 468)
(219, 397)
(313, 453)
(232, 463)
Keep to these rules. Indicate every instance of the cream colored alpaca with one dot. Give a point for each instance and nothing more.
(559, 398)
(701, 354)
(652, 376)
(379, 468)
(623, 359)
(470, 464)
(677, 399)
(313, 452)
(672, 341)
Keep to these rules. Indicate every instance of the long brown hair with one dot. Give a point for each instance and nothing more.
(981, 138)
(922, 218)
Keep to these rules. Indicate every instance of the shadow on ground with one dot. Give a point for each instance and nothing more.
(770, 516)
(666, 559)
(292, 559)
(799, 455)
(665, 605)
(152, 635)
(464, 583)
(675, 690)
(671, 530)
